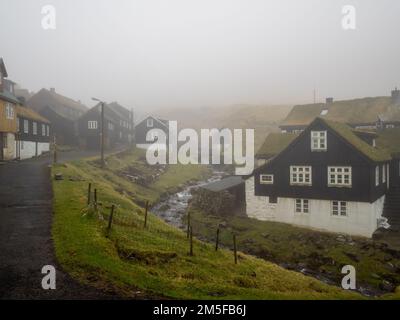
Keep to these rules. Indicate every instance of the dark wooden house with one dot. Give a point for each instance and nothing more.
(327, 178)
(61, 111)
(145, 126)
(33, 134)
(118, 129)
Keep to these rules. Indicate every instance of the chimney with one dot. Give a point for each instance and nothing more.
(53, 90)
(396, 96)
(329, 100)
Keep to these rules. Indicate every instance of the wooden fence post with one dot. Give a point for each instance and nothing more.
(110, 218)
(235, 248)
(217, 240)
(188, 225)
(89, 193)
(95, 199)
(145, 214)
(191, 241)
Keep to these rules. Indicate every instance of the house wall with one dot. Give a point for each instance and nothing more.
(29, 149)
(362, 219)
(9, 153)
(7, 125)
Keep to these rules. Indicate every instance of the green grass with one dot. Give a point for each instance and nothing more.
(318, 251)
(155, 260)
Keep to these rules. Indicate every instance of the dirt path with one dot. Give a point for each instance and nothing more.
(25, 234)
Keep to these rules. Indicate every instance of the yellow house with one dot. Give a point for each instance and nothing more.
(8, 116)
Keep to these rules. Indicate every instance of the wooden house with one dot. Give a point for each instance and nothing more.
(143, 131)
(8, 118)
(61, 111)
(365, 113)
(33, 134)
(328, 178)
(118, 122)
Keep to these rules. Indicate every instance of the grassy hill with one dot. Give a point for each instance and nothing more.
(264, 119)
(134, 261)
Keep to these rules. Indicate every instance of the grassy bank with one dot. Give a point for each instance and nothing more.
(155, 260)
(377, 264)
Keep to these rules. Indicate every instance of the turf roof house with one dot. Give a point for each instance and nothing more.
(366, 113)
(61, 111)
(328, 178)
(33, 133)
(146, 125)
(8, 119)
(118, 121)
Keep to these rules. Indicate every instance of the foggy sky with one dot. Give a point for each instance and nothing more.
(175, 53)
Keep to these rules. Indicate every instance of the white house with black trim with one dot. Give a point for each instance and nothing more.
(330, 177)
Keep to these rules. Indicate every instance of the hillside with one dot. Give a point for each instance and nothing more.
(133, 261)
(264, 119)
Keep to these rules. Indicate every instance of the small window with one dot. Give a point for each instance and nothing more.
(110, 126)
(318, 141)
(26, 126)
(302, 206)
(300, 175)
(377, 176)
(92, 125)
(34, 128)
(273, 199)
(150, 123)
(47, 130)
(43, 130)
(383, 173)
(339, 208)
(339, 177)
(267, 179)
(9, 111)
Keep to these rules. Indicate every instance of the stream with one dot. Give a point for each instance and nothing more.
(173, 208)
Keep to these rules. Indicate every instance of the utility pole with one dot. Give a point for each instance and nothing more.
(102, 132)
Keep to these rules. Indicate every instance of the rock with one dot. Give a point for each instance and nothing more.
(387, 286)
(58, 176)
(341, 238)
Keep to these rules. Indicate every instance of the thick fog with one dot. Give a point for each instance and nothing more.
(177, 53)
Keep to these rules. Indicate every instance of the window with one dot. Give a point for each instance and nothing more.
(377, 176)
(110, 126)
(318, 141)
(34, 128)
(9, 111)
(267, 179)
(383, 173)
(47, 130)
(43, 130)
(26, 126)
(339, 208)
(150, 123)
(300, 175)
(92, 125)
(339, 177)
(5, 141)
(302, 206)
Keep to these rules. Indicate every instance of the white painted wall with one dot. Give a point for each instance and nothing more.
(28, 149)
(9, 153)
(362, 217)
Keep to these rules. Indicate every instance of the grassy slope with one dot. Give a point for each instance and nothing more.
(159, 263)
(283, 243)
